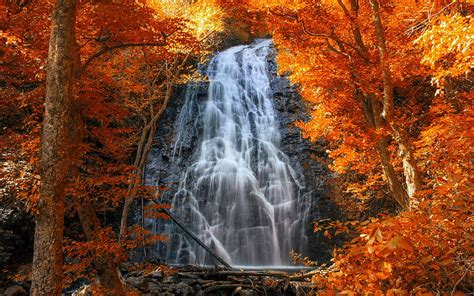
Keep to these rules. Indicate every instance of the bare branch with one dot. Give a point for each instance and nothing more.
(103, 51)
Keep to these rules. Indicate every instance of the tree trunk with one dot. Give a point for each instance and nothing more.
(400, 135)
(399, 193)
(107, 269)
(372, 112)
(410, 167)
(144, 147)
(383, 58)
(48, 254)
(148, 133)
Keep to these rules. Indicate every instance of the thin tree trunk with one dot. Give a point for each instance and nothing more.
(107, 269)
(372, 110)
(48, 254)
(144, 148)
(383, 58)
(396, 188)
(410, 167)
(400, 135)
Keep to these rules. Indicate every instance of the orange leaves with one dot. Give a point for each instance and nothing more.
(80, 255)
(202, 17)
(154, 211)
(375, 235)
(137, 237)
(334, 228)
(400, 253)
(448, 46)
(397, 243)
(327, 234)
(421, 251)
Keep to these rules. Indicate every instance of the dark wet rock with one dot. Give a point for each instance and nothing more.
(156, 275)
(169, 280)
(138, 282)
(194, 280)
(15, 291)
(16, 235)
(182, 289)
(244, 292)
(16, 243)
(167, 164)
(154, 288)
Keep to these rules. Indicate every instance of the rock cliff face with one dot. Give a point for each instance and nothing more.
(308, 159)
(16, 246)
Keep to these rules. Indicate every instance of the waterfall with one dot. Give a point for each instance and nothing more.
(240, 195)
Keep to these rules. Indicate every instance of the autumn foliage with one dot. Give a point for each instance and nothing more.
(130, 55)
(389, 85)
(332, 50)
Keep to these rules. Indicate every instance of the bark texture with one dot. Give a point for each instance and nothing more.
(372, 111)
(400, 135)
(48, 255)
(410, 167)
(371, 106)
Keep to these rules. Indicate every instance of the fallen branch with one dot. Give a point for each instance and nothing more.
(230, 286)
(194, 237)
(303, 276)
(279, 274)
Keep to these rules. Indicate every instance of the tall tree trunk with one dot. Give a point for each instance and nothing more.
(398, 192)
(107, 269)
(383, 58)
(400, 135)
(372, 112)
(372, 109)
(410, 167)
(48, 254)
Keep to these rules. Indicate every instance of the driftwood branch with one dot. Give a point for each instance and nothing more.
(227, 286)
(194, 238)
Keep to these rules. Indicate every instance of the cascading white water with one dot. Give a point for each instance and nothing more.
(240, 195)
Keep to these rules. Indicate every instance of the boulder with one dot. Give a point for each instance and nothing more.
(14, 291)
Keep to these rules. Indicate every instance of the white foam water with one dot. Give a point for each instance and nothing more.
(240, 195)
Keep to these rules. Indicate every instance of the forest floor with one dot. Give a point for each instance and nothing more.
(196, 280)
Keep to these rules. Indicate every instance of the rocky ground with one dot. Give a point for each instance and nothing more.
(192, 280)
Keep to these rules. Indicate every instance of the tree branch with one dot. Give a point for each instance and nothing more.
(103, 51)
(331, 36)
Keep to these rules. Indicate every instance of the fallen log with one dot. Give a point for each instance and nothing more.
(269, 273)
(231, 286)
(216, 281)
(302, 276)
